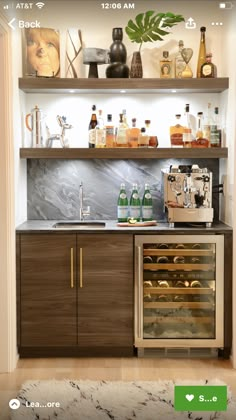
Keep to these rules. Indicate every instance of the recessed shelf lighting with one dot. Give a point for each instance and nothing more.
(173, 91)
(72, 91)
(122, 91)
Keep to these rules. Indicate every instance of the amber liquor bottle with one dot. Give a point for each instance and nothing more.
(202, 51)
(208, 68)
(92, 126)
(166, 66)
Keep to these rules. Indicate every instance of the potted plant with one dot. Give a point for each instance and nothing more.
(148, 27)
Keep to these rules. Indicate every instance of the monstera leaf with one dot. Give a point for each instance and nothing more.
(149, 26)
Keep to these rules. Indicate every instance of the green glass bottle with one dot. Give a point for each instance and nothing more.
(147, 210)
(135, 204)
(122, 205)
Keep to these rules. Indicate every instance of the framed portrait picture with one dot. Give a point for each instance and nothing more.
(42, 52)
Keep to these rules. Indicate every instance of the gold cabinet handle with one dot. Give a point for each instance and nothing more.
(72, 268)
(81, 267)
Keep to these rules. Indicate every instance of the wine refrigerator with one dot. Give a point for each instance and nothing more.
(179, 292)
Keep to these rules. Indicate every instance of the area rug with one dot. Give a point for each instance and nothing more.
(103, 400)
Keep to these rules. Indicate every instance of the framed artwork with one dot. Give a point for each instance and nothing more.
(42, 52)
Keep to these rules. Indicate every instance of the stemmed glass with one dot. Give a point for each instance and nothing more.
(187, 54)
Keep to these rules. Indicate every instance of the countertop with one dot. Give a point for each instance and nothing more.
(35, 226)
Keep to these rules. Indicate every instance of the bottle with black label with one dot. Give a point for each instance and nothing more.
(92, 126)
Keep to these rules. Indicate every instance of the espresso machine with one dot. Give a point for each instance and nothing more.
(188, 194)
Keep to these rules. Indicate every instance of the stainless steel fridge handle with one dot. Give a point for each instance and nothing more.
(139, 294)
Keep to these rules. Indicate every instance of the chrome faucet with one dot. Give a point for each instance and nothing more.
(83, 211)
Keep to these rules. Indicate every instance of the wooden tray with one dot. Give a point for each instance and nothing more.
(138, 224)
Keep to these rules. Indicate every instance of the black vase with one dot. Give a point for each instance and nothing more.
(118, 56)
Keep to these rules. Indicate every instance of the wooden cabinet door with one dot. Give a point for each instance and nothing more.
(105, 291)
(48, 297)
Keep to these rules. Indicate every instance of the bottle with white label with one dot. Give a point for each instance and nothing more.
(135, 204)
(147, 209)
(122, 205)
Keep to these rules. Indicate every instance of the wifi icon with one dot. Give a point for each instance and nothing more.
(40, 5)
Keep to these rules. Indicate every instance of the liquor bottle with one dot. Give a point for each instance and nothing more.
(122, 205)
(147, 210)
(179, 61)
(153, 140)
(208, 68)
(143, 139)
(121, 135)
(135, 205)
(200, 141)
(92, 125)
(202, 51)
(100, 132)
(133, 134)
(176, 132)
(207, 127)
(166, 66)
(110, 134)
(187, 130)
(216, 132)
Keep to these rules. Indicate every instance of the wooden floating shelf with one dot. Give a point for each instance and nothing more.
(91, 86)
(126, 153)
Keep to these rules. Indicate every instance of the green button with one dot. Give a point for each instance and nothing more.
(200, 398)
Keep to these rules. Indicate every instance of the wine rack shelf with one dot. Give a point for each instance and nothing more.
(179, 290)
(178, 305)
(185, 267)
(152, 85)
(178, 319)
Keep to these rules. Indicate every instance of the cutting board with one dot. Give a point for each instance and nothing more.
(138, 224)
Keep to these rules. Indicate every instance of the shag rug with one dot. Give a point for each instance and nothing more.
(103, 400)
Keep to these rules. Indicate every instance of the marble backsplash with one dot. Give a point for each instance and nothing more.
(53, 185)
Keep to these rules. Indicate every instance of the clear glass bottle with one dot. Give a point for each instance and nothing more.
(147, 205)
(110, 132)
(122, 205)
(133, 134)
(208, 68)
(92, 125)
(135, 204)
(166, 66)
(143, 139)
(121, 135)
(176, 132)
(216, 131)
(202, 51)
(187, 129)
(179, 61)
(100, 132)
(207, 127)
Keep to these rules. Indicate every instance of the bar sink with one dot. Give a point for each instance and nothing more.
(79, 225)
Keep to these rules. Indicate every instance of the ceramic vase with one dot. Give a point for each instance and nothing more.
(118, 56)
(136, 69)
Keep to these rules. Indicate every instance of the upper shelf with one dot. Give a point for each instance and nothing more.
(124, 153)
(66, 85)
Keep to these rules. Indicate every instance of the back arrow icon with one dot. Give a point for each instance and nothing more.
(11, 22)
